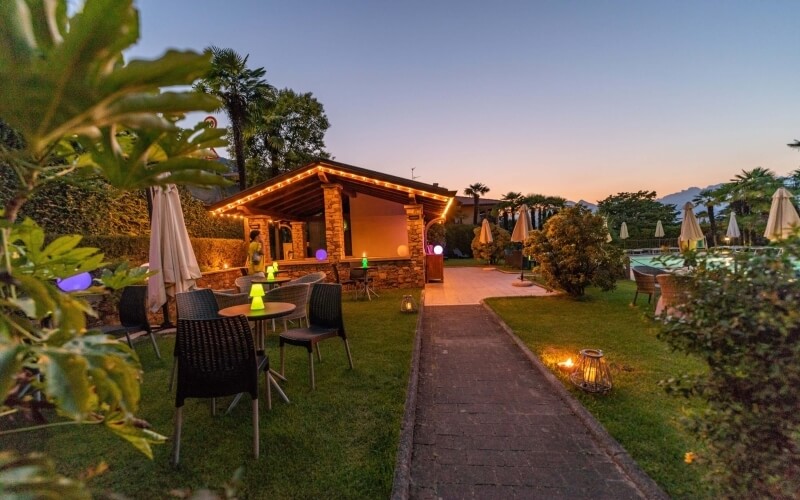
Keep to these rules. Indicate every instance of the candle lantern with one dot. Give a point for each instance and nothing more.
(408, 305)
(256, 292)
(592, 373)
(364, 260)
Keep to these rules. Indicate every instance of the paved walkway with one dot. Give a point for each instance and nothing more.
(470, 285)
(490, 425)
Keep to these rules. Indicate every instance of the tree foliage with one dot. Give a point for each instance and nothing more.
(490, 252)
(290, 136)
(572, 252)
(640, 211)
(743, 321)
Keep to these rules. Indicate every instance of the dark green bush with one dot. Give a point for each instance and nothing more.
(436, 235)
(572, 252)
(74, 204)
(744, 322)
(458, 236)
(211, 253)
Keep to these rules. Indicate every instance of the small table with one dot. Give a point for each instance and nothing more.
(276, 281)
(368, 290)
(271, 311)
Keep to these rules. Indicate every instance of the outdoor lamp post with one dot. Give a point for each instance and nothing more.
(592, 373)
(408, 305)
(256, 292)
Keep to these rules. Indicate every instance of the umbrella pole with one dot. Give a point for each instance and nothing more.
(167, 323)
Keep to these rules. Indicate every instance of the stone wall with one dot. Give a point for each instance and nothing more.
(334, 221)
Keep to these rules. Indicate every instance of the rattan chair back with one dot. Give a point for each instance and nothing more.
(197, 304)
(311, 279)
(245, 282)
(296, 294)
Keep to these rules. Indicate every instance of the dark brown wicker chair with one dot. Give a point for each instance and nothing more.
(132, 316)
(216, 358)
(645, 277)
(194, 304)
(325, 319)
(360, 280)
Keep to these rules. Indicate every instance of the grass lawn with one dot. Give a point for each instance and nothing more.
(337, 442)
(637, 412)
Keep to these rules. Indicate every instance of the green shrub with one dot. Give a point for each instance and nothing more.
(211, 253)
(74, 204)
(745, 324)
(572, 252)
(437, 235)
(493, 251)
(458, 236)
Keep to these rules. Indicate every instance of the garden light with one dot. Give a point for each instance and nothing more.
(592, 373)
(256, 292)
(407, 305)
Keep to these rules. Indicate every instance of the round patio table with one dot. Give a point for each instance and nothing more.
(272, 310)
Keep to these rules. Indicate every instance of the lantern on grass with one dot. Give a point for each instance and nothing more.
(592, 373)
(408, 305)
(256, 292)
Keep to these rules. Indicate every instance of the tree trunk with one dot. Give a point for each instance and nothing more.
(475, 212)
(713, 224)
(238, 148)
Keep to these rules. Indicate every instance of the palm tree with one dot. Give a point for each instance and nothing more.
(709, 198)
(244, 94)
(751, 195)
(509, 204)
(476, 191)
(535, 203)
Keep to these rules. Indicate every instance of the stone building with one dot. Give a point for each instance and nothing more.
(329, 213)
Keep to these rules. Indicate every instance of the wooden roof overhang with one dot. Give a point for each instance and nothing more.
(297, 195)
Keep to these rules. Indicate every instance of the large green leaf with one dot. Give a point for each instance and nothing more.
(66, 381)
(135, 432)
(34, 476)
(10, 363)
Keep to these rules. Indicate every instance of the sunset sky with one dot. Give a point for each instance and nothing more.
(580, 99)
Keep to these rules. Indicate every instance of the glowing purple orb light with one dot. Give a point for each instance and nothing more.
(321, 254)
(75, 283)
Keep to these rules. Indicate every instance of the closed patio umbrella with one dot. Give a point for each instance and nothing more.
(659, 230)
(486, 233)
(690, 228)
(521, 230)
(623, 231)
(522, 227)
(609, 239)
(733, 227)
(783, 218)
(170, 249)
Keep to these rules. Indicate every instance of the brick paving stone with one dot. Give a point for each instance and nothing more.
(489, 425)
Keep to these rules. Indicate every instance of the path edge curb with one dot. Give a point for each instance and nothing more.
(645, 484)
(402, 468)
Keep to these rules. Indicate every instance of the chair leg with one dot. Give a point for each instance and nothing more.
(173, 377)
(128, 338)
(349, 356)
(635, 296)
(176, 436)
(311, 369)
(255, 428)
(269, 390)
(319, 354)
(283, 362)
(155, 345)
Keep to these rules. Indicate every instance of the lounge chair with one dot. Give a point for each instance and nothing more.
(674, 292)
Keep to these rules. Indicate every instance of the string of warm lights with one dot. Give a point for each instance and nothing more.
(327, 170)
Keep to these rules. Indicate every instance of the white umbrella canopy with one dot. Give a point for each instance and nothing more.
(783, 218)
(690, 228)
(523, 226)
(171, 251)
(659, 230)
(733, 227)
(623, 231)
(486, 233)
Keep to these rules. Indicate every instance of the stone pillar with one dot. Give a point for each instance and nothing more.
(415, 226)
(334, 222)
(298, 240)
(263, 225)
